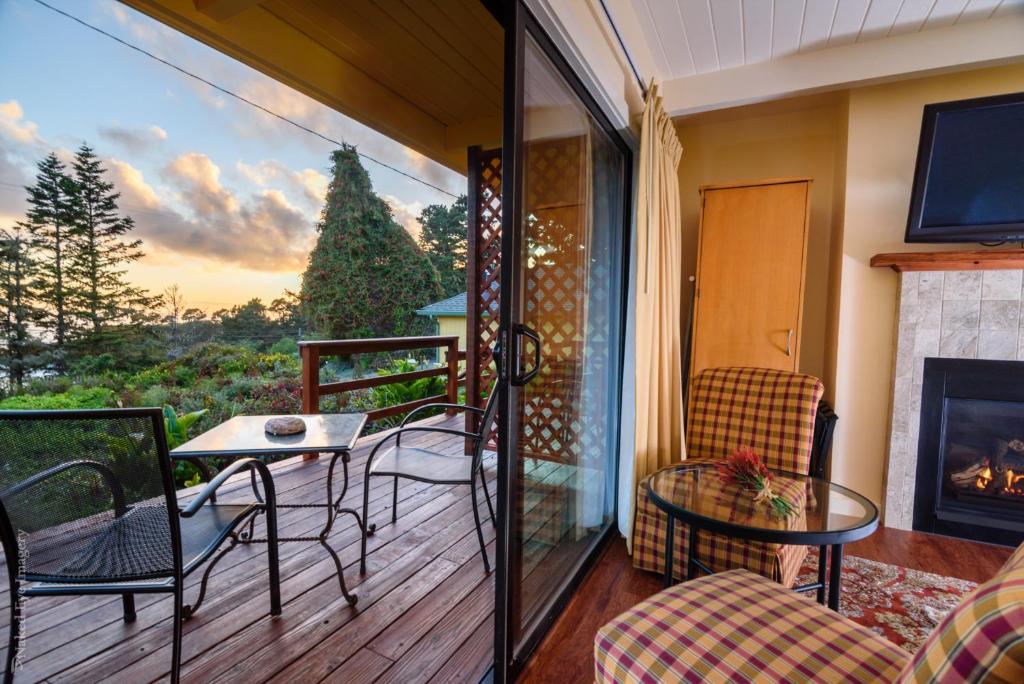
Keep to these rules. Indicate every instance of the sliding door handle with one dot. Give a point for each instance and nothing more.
(789, 343)
(518, 376)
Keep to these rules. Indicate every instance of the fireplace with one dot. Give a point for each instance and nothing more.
(970, 461)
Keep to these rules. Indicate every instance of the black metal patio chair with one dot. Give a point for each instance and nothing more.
(88, 506)
(425, 465)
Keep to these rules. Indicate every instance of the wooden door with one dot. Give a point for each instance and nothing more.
(750, 275)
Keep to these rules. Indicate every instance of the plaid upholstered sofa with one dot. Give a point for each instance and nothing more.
(770, 411)
(740, 627)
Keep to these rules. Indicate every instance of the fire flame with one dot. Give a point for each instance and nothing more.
(1011, 480)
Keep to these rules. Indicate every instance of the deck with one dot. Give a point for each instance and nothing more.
(424, 612)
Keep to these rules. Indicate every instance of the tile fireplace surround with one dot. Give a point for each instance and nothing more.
(945, 314)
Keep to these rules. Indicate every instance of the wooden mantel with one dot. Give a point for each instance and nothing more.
(979, 260)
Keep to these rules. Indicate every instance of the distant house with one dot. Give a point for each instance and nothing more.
(449, 316)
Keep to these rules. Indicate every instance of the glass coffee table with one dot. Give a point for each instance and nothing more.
(827, 515)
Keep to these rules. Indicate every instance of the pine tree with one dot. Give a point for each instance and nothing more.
(103, 299)
(366, 275)
(17, 306)
(443, 239)
(50, 223)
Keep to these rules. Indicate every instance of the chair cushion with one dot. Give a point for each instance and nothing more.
(982, 640)
(770, 411)
(739, 627)
(422, 464)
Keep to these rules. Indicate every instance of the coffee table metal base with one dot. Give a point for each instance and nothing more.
(833, 570)
(334, 509)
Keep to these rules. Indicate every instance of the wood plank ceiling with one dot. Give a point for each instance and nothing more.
(687, 37)
(427, 73)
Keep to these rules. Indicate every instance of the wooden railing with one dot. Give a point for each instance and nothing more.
(312, 351)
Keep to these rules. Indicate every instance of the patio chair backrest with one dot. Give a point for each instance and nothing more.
(486, 426)
(87, 496)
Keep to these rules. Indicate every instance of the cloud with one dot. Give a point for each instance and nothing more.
(406, 213)
(198, 178)
(309, 184)
(135, 140)
(14, 126)
(263, 231)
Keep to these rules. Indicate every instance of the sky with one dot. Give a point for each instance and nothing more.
(225, 197)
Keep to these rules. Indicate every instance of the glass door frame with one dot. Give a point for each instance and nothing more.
(519, 23)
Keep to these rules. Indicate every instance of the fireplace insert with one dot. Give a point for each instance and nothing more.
(970, 461)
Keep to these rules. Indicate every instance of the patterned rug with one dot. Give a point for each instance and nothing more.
(901, 604)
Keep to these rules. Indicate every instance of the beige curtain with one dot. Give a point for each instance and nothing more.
(659, 405)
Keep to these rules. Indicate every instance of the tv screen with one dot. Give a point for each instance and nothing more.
(969, 181)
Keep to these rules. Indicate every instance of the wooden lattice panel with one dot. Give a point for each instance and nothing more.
(483, 273)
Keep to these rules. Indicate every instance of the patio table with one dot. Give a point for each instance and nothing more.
(245, 436)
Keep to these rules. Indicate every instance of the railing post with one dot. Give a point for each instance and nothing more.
(453, 373)
(310, 385)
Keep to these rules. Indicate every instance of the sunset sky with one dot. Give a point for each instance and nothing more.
(225, 197)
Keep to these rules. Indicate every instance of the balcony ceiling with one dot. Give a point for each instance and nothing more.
(427, 73)
(711, 54)
(699, 37)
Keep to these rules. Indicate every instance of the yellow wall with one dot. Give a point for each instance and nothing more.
(800, 137)
(884, 125)
(453, 325)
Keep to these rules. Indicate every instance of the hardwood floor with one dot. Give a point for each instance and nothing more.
(424, 613)
(614, 585)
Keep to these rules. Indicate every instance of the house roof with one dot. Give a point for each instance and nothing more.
(453, 306)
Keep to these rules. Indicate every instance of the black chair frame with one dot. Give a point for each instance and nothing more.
(479, 440)
(172, 584)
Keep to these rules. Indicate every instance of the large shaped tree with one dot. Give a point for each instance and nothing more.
(366, 275)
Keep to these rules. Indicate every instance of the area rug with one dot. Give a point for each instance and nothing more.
(900, 604)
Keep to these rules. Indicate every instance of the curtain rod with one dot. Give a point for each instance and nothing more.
(625, 50)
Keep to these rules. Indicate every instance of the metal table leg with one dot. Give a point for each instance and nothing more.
(835, 577)
(670, 535)
(822, 559)
(691, 554)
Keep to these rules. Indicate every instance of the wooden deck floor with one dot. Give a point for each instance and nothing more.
(424, 612)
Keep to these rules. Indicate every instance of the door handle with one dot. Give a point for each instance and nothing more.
(789, 343)
(520, 378)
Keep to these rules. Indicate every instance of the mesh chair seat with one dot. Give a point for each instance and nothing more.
(423, 464)
(137, 545)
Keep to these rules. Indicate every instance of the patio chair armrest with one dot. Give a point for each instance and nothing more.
(457, 407)
(222, 477)
(116, 489)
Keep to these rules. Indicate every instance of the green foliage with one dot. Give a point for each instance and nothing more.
(177, 427)
(403, 392)
(366, 275)
(443, 239)
(18, 309)
(285, 346)
(77, 397)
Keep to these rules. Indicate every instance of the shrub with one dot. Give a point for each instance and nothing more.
(77, 397)
(285, 345)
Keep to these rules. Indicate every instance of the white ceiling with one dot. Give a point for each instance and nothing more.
(688, 37)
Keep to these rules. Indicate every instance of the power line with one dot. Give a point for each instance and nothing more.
(240, 98)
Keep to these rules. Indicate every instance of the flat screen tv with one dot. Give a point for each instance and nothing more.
(969, 181)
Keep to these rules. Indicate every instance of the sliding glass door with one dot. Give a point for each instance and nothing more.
(563, 229)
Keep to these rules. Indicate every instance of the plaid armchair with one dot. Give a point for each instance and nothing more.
(770, 411)
(738, 627)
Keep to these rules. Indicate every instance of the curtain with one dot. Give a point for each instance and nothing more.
(658, 435)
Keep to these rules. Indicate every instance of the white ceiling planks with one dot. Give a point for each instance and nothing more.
(691, 37)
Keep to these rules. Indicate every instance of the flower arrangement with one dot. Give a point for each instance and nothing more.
(744, 467)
